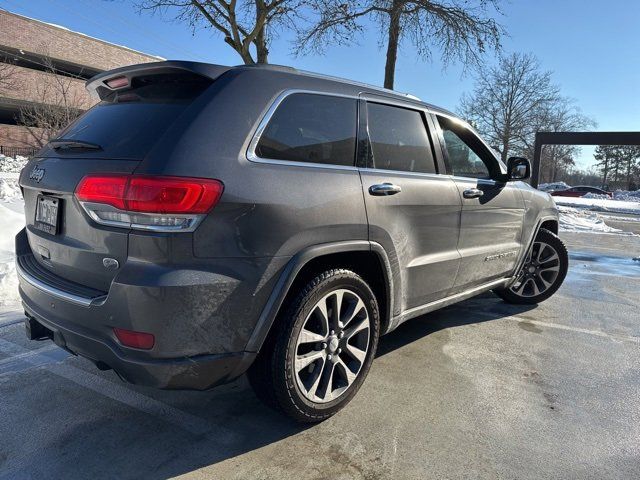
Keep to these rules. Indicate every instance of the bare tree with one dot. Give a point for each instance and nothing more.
(509, 100)
(557, 116)
(56, 103)
(461, 30)
(8, 78)
(244, 24)
(515, 99)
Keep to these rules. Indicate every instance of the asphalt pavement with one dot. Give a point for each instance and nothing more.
(481, 389)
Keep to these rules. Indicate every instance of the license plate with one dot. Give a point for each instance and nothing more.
(47, 214)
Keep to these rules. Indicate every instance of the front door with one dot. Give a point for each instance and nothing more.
(492, 209)
(413, 211)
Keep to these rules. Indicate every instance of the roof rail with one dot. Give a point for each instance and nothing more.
(285, 68)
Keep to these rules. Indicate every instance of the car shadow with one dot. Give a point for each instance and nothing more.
(483, 308)
(117, 441)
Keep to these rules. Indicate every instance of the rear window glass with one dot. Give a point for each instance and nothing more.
(128, 122)
(311, 128)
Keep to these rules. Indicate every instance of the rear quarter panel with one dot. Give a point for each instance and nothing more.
(267, 209)
(267, 213)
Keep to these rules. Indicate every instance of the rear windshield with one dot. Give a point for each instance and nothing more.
(128, 122)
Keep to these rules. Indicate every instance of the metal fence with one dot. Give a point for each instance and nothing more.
(15, 151)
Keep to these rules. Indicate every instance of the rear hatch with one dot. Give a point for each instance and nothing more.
(113, 137)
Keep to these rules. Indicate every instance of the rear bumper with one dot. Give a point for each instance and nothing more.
(199, 372)
(201, 319)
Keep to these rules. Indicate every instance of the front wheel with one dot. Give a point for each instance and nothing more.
(321, 353)
(543, 272)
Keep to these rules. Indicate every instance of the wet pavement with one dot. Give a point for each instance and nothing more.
(481, 389)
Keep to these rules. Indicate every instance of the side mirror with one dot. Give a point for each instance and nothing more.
(518, 168)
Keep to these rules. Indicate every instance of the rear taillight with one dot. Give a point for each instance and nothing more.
(148, 202)
(107, 189)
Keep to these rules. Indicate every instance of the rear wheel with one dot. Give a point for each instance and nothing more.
(543, 272)
(318, 359)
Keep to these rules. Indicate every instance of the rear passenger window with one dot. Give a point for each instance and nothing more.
(311, 128)
(399, 139)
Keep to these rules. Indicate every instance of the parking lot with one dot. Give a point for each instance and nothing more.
(478, 390)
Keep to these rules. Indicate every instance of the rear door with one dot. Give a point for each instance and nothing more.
(492, 209)
(112, 137)
(413, 211)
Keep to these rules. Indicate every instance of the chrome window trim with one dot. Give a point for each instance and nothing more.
(56, 292)
(252, 156)
(407, 103)
(460, 178)
(382, 172)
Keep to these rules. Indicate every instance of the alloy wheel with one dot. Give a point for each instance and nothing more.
(540, 271)
(332, 346)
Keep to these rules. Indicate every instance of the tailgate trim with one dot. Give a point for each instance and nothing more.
(56, 292)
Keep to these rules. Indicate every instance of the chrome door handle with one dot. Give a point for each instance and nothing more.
(472, 193)
(383, 189)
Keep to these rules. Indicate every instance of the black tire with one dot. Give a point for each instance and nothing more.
(273, 375)
(509, 295)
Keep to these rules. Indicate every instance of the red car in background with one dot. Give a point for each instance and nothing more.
(580, 191)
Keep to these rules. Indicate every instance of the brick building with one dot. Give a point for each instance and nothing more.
(38, 60)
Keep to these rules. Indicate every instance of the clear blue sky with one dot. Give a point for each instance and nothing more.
(591, 46)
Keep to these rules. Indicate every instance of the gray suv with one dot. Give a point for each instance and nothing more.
(204, 221)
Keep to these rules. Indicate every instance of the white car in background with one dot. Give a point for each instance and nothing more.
(552, 187)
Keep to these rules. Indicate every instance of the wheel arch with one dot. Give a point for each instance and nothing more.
(547, 222)
(550, 224)
(355, 255)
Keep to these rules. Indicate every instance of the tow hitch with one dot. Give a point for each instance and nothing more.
(35, 330)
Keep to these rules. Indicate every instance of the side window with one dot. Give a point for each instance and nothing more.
(311, 128)
(399, 139)
(465, 156)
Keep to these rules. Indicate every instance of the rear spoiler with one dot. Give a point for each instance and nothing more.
(98, 87)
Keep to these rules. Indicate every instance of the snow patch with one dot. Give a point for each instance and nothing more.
(600, 204)
(582, 220)
(10, 224)
(618, 195)
(627, 196)
(9, 190)
(12, 164)
(596, 195)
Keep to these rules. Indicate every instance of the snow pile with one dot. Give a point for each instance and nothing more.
(581, 220)
(600, 204)
(596, 195)
(9, 190)
(627, 196)
(10, 224)
(12, 164)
